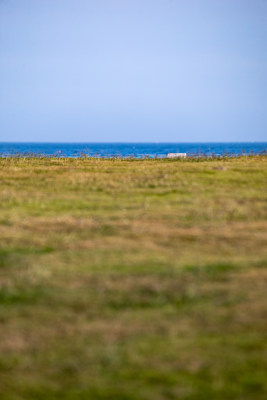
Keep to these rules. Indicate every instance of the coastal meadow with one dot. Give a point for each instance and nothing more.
(129, 279)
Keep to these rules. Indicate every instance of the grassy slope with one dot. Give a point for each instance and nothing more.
(133, 279)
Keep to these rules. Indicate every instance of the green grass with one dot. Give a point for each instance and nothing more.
(133, 279)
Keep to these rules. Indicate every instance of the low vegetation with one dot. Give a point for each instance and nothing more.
(135, 279)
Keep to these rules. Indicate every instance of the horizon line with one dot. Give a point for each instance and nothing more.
(130, 142)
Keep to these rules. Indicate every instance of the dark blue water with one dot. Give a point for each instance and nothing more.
(130, 149)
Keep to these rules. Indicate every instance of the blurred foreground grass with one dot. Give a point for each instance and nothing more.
(133, 279)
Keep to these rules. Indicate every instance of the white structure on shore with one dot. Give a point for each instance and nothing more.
(176, 155)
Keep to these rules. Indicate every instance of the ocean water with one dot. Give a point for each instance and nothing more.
(130, 149)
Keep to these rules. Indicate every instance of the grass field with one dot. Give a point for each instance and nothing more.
(133, 279)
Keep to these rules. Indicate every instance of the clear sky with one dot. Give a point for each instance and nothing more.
(133, 70)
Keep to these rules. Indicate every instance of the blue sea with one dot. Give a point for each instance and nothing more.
(130, 149)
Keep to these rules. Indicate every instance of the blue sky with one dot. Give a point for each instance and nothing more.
(133, 70)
